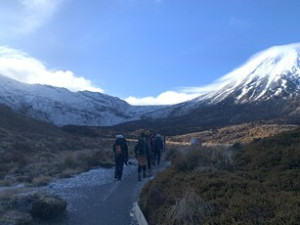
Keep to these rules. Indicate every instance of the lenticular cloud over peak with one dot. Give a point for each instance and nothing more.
(272, 62)
(20, 66)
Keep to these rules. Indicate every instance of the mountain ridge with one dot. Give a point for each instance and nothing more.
(261, 73)
(269, 76)
(266, 87)
(62, 107)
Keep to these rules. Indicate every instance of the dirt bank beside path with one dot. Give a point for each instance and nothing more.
(95, 198)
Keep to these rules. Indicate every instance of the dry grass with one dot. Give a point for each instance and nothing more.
(28, 206)
(262, 186)
(243, 133)
(190, 209)
(35, 159)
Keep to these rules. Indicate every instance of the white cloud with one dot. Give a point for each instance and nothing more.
(25, 16)
(165, 98)
(22, 67)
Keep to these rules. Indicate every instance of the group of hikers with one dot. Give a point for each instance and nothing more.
(147, 152)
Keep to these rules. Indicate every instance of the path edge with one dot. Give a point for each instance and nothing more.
(139, 215)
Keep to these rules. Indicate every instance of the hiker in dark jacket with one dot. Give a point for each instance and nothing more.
(140, 151)
(120, 149)
(149, 152)
(158, 146)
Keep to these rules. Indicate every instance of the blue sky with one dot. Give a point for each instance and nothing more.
(144, 51)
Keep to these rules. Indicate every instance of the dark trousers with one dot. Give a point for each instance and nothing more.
(140, 168)
(149, 161)
(119, 167)
(157, 157)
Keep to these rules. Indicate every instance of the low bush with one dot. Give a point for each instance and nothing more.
(203, 158)
(28, 207)
(257, 183)
(34, 159)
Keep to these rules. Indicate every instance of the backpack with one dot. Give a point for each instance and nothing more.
(158, 144)
(118, 149)
(140, 147)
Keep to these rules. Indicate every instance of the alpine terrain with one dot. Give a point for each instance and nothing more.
(61, 106)
(266, 87)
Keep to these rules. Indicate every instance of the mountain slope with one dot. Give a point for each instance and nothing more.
(272, 73)
(17, 123)
(266, 87)
(61, 106)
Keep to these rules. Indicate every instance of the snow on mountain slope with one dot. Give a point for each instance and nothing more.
(61, 106)
(271, 73)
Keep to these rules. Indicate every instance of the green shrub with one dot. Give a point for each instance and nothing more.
(258, 184)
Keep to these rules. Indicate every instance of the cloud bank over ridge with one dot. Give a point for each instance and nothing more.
(20, 66)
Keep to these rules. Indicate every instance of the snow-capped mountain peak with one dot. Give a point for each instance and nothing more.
(62, 107)
(273, 72)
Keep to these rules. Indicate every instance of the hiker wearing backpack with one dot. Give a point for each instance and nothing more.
(158, 146)
(140, 151)
(152, 141)
(120, 149)
(149, 152)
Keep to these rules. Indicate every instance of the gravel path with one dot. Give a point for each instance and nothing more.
(95, 198)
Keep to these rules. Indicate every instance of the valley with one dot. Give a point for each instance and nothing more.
(234, 150)
(34, 153)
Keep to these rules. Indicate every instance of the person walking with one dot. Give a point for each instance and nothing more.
(149, 153)
(140, 151)
(158, 146)
(120, 149)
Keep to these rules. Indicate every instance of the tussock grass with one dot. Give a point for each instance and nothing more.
(190, 209)
(35, 160)
(203, 159)
(257, 183)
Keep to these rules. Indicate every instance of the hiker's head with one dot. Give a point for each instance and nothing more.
(147, 133)
(119, 136)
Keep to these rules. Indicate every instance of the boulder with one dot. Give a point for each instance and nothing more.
(48, 207)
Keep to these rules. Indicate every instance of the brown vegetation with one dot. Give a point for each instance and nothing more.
(261, 185)
(37, 158)
(243, 133)
(25, 206)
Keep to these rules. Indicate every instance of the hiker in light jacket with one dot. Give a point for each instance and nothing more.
(120, 149)
(140, 151)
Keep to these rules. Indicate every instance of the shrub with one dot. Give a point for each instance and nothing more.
(190, 209)
(69, 161)
(203, 158)
(258, 184)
